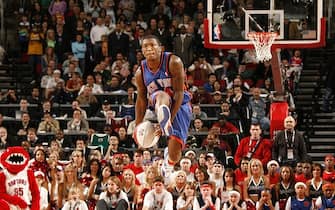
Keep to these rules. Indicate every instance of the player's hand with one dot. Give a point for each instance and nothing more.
(158, 130)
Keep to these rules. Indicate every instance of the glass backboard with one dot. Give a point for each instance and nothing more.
(298, 23)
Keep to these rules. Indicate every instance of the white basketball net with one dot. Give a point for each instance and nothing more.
(262, 42)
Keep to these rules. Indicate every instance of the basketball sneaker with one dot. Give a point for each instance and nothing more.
(164, 119)
(167, 169)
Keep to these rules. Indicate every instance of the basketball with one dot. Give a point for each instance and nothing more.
(144, 135)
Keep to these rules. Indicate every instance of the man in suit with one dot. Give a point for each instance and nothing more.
(183, 46)
(24, 124)
(289, 146)
(118, 41)
(163, 34)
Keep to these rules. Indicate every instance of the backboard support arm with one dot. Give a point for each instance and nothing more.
(276, 72)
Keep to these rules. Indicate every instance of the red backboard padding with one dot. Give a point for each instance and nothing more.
(278, 112)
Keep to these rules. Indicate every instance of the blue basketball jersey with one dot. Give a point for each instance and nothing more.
(161, 79)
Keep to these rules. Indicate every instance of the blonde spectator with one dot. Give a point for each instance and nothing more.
(150, 174)
(53, 157)
(178, 184)
(78, 161)
(70, 180)
(129, 187)
(55, 150)
(50, 41)
(254, 183)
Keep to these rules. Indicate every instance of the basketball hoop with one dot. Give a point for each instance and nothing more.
(262, 42)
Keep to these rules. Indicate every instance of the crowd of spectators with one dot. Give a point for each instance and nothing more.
(83, 55)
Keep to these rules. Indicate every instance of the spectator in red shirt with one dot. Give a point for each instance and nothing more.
(242, 172)
(299, 175)
(329, 172)
(305, 174)
(137, 165)
(254, 146)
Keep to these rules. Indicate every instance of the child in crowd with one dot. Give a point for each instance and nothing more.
(299, 201)
(265, 202)
(235, 202)
(206, 200)
(44, 194)
(327, 200)
(74, 202)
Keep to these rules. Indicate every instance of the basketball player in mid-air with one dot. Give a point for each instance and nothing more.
(161, 87)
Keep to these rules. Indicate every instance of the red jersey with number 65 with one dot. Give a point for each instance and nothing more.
(18, 184)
